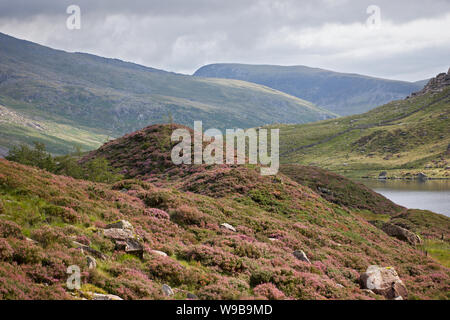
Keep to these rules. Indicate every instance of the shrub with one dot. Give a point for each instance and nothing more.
(67, 215)
(269, 291)
(10, 229)
(160, 214)
(223, 289)
(208, 256)
(186, 215)
(47, 236)
(166, 269)
(6, 251)
(156, 199)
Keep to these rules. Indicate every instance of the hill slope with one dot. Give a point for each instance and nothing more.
(108, 97)
(403, 137)
(180, 213)
(341, 93)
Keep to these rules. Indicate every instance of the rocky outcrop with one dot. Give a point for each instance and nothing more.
(124, 237)
(401, 233)
(436, 84)
(384, 281)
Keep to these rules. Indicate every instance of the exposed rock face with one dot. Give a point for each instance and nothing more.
(228, 227)
(384, 281)
(301, 255)
(436, 84)
(401, 233)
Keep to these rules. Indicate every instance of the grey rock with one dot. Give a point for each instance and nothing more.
(131, 246)
(228, 227)
(121, 224)
(86, 249)
(159, 253)
(167, 290)
(401, 233)
(100, 296)
(191, 296)
(301, 255)
(91, 262)
(384, 281)
(422, 176)
(118, 234)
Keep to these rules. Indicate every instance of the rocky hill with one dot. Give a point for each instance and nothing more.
(212, 232)
(77, 99)
(403, 138)
(437, 84)
(341, 93)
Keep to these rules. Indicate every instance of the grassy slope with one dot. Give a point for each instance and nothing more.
(342, 93)
(404, 137)
(203, 258)
(112, 97)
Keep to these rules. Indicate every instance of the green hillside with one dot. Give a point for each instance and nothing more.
(341, 93)
(108, 97)
(403, 137)
(207, 232)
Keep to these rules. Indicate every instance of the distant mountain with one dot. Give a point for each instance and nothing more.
(341, 93)
(403, 138)
(65, 99)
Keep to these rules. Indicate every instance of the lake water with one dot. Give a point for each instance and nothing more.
(433, 195)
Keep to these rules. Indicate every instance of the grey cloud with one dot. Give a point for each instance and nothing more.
(181, 35)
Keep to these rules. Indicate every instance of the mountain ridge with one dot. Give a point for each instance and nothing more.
(405, 137)
(341, 93)
(109, 97)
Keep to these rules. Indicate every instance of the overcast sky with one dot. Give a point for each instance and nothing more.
(411, 43)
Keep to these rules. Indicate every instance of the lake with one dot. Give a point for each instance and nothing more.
(433, 195)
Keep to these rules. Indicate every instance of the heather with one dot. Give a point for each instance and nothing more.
(43, 214)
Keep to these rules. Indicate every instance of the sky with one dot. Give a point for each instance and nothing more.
(404, 40)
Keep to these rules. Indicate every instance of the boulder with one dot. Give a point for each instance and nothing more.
(91, 262)
(118, 234)
(159, 253)
(228, 227)
(86, 249)
(301, 255)
(401, 233)
(131, 246)
(384, 281)
(422, 176)
(167, 290)
(382, 175)
(124, 237)
(100, 296)
(191, 296)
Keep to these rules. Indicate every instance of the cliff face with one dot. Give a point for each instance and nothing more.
(436, 84)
